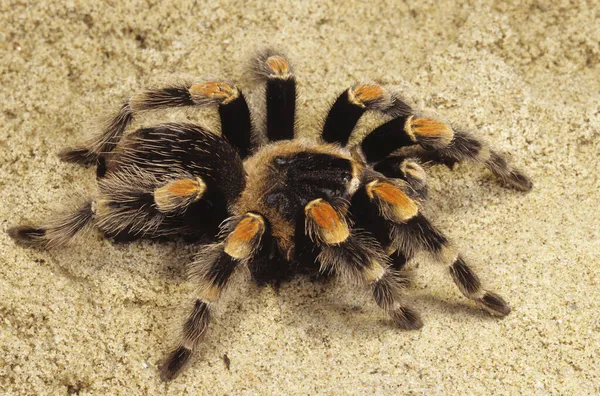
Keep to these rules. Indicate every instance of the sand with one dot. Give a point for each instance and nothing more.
(95, 318)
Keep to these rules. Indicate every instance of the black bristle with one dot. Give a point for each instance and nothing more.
(366, 216)
(221, 270)
(165, 98)
(384, 293)
(399, 260)
(101, 167)
(426, 234)
(390, 167)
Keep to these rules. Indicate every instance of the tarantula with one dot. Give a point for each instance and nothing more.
(285, 207)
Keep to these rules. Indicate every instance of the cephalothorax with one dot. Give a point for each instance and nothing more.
(280, 208)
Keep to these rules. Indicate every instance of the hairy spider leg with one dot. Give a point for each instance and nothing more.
(172, 179)
(402, 131)
(352, 104)
(466, 147)
(409, 231)
(233, 111)
(358, 259)
(437, 142)
(277, 72)
(57, 231)
(403, 193)
(212, 272)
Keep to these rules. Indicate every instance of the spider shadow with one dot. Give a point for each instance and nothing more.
(321, 310)
(326, 313)
(454, 308)
(485, 186)
(169, 256)
(325, 308)
(308, 306)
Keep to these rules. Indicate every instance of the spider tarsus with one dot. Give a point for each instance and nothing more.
(519, 181)
(78, 155)
(27, 235)
(407, 318)
(494, 304)
(175, 363)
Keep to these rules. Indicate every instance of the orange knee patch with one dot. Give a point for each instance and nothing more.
(395, 205)
(178, 194)
(324, 223)
(364, 94)
(184, 187)
(245, 237)
(430, 129)
(278, 65)
(218, 91)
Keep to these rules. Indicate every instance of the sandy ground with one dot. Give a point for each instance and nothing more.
(95, 318)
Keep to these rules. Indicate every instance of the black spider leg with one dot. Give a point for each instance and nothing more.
(276, 70)
(212, 272)
(466, 147)
(233, 110)
(409, 231)
(367, 216)
(236, 126)
(57, 231)
(412, 179)
(403, 131)
(438, 142)
(352, 104)
(358, 259)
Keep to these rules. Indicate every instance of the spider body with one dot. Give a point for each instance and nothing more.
(284, 177)
(289, 206)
